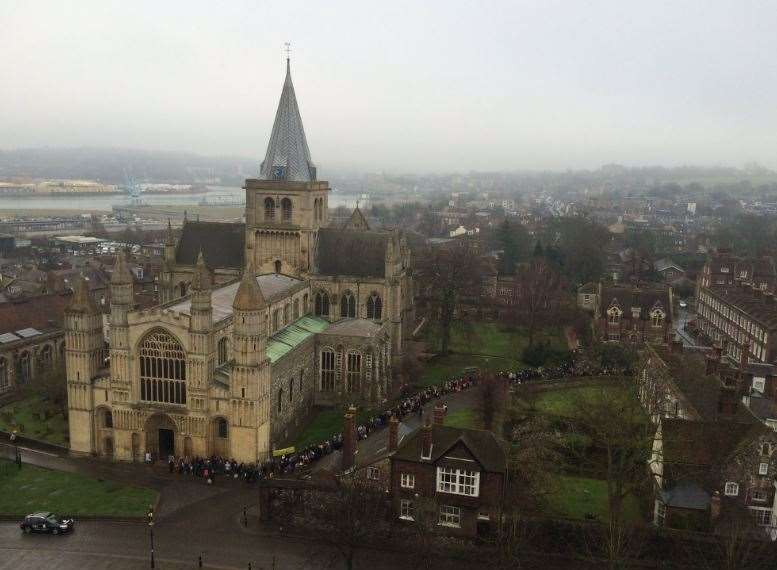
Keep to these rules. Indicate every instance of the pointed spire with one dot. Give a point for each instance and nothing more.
(288, 156)
(82, 301)
(249, 296)
(201, 280)
(170, 238)
(121, 272)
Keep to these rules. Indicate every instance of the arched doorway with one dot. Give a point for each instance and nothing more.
(160, 436)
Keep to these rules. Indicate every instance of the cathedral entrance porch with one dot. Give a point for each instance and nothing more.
(160, 436)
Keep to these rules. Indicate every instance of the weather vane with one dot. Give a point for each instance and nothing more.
(287, 48)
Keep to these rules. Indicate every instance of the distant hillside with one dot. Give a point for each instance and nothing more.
(114, 165)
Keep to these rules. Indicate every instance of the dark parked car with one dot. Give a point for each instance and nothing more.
(47, 522)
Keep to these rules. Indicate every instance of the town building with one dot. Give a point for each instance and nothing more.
(461, 473)
(633, 314)
(258, 322)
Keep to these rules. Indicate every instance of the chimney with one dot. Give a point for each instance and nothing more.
(438, 416)
(426, 440)
(727, 402)
(743, 357)
(393, 433)
(715, 506)
(349, 439)
(711, 365)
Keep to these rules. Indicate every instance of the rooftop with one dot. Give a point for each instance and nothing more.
(274, 286)
(355, 327)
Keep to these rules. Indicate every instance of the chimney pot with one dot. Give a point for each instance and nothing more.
(393, 434)
(438, 415)
(349, 439)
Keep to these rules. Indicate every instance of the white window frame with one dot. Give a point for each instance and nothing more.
(759, 384)
(458, 481)
(406, 510)
(449, 516)
(763, 468)
(731, 489)
(373, 473)
(407, 481)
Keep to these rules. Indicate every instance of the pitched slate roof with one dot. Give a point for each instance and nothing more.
(482, 444)
(222, 244)
(704, 444)
(42, 312)
(627, 297)
(288, 156)
(288, 338)
(351, 252)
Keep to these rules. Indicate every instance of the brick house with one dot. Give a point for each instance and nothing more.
(700, 483)
(633, 314)
(463, 472)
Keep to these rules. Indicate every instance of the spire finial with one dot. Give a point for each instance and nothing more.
(287, 49)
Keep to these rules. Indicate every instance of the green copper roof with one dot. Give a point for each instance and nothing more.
(288, 338)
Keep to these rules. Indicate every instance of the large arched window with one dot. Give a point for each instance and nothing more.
(327, 370)
(305, 304)
(3, 373)
(286, 210)
(353, 372)
(348, 305)
(269, 209)
(374, 307)
(280, 400)
(107, 419)
(162, 369)
(23, 368)
(322, 304)
(223, 350)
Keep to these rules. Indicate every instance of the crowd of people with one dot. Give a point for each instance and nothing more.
(300, 460)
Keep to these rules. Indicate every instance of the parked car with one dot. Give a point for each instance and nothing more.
(47, 522)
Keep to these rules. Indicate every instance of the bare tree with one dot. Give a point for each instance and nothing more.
(623, 436)
(537, 292)
(348, 518)
(447, 276)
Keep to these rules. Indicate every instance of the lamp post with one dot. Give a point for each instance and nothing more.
(151, 533)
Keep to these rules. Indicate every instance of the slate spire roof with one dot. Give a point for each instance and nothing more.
(121, 273)
(288, 157)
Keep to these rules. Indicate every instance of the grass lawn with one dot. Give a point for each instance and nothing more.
(574, 497)
(463, 419)
(492, 339)
(325, 424)
(31, 489)
(442, 368)
(34, 418)
(565, 401)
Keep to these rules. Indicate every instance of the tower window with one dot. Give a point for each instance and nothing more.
(286, 210)
(222, 350)
(269, 209)
(327, 370)
(354, 371)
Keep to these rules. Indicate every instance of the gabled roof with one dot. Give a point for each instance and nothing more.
(482, 444)
(43, 313)
(351, 252)
(357, 221)
(664, 264)
(288, 157)
(705, 443)
(221, 244)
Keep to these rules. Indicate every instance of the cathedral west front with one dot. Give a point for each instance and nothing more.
(258, 323)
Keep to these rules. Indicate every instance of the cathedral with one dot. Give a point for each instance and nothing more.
(258, 323)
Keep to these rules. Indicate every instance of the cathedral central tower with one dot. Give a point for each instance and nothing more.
(286, 204)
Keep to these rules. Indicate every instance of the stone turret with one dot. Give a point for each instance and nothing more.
(83, 353)
(202, 283)
(250, 377)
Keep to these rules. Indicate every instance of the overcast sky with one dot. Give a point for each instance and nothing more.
(400, 85)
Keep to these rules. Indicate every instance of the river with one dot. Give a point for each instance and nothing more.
(215, 195)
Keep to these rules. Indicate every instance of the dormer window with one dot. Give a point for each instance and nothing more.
(635, 312)
(614, 315)
(657, 318)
